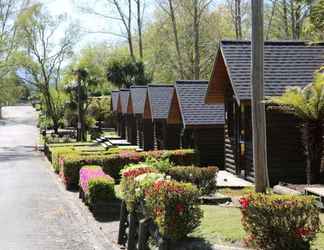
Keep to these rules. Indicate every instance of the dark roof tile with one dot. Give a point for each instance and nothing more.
(194, 111)
(114, 100)
(123, 95)
(160, 100)
(286, 63)
(138, 94)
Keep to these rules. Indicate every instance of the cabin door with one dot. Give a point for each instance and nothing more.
(232, 137)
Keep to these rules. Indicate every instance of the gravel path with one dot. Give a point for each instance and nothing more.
(36, 213)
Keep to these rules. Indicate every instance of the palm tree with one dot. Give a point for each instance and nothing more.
(308, 104)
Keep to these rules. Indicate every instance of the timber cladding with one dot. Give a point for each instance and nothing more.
(201, 125)
(287, 64)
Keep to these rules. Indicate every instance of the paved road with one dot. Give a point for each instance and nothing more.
(35, 211)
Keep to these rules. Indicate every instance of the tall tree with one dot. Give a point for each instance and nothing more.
(122, 12)
(43, 56)
(169, 9)
(140, 26)
(9, 10)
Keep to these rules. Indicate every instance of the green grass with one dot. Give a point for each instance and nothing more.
(234, 192)
(222, 225)
(319, 242)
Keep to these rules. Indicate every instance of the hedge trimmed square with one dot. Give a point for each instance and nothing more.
(71, 164)
(95, 186)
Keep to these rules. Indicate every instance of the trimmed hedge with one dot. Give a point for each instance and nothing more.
(112, 164)
(96, 186)
(279, 221)
(203, 178)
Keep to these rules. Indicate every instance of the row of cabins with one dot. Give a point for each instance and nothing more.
(170, 117)
(215, 116)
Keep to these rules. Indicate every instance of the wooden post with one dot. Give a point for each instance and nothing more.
(132, 233)
(123, 224)
(258, 106)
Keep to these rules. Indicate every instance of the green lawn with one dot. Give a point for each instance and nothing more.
(222, 225)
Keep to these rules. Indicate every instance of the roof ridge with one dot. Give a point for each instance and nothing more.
(275, 42)
(138, 86)
(192, 82)
(160, 85)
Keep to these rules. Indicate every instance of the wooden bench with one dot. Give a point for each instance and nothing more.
(318, 193)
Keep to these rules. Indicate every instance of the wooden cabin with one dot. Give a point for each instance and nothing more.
(144, 127)
(122, 111)
(286, 63)
(202, 125)
(156, 109)
(116, 115)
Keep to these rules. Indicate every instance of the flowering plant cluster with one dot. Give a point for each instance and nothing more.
(128, 184)
(96, 185)
(173, 207)
(279, 222)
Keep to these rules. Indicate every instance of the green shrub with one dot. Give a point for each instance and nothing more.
(57, 156)
(113, 163)
(203, 178)
(276, 222)
(96, 185)
(173, 207)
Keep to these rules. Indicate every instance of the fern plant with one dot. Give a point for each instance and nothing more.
(308, 104)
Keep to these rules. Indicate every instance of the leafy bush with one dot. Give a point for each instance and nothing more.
(128, 184)
(113, 163)
(96, 185)
(162, 165)
(279, 222)
(57, 156)
(173, 207)
(203, 178)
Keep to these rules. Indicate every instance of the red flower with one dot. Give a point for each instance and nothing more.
(303, 232)
(244, 202)
(179, 208)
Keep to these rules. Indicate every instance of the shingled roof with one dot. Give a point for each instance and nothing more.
(159, 97)
(286, 63)
(194, 111)
(137, 94)
(114, 100)
(123, 95)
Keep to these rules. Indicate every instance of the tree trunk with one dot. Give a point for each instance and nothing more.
(196, 42)
(293, 20)
(312, 138)
(139, 24)
(285, 17)
(238, 20)
(176, 39)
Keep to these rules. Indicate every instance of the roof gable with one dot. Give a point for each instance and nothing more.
(286, 63)
(194, 111)
(159, 97)
(123, 96)
(137, 97)
(114, 100)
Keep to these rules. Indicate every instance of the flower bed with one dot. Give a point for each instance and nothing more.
(203, 178)
(96, 186)
(172, 205)
(279, 222)
(113, 163)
